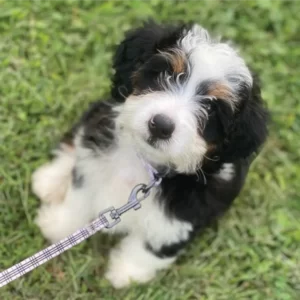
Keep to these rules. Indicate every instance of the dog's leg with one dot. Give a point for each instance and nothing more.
(132, 261)
(58, 220)
(50, 182)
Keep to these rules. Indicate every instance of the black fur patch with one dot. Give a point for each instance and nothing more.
(247, 130)
(98, 125)
(188, 198)
(216, 125)
(147, 77)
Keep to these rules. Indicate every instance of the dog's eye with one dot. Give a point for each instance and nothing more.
(208, 105)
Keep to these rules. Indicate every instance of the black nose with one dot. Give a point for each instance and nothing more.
(161, 126)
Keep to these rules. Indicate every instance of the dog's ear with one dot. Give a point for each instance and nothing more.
(249, 130)
(137, 47)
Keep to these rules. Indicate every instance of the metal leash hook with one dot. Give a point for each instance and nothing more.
(138, 193)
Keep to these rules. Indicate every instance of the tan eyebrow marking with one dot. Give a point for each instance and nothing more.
(220, 90)
(177, 58)
(178, 63)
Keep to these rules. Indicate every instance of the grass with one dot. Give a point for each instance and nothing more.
(55, 58)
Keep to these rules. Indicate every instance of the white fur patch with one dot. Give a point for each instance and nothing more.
(131, 262)
(213, 60)
(227, 172)
(50, 182)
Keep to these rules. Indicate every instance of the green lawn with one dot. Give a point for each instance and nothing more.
(55, 58)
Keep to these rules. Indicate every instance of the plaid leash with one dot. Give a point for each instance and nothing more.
(138, 193)
(52, 251)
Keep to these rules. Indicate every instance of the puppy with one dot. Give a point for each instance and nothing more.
(190, 107)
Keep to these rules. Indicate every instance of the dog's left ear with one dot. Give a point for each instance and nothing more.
(249, 130)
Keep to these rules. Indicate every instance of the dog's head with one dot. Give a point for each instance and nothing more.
(187, 97)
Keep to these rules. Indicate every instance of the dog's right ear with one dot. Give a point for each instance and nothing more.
(137, 47)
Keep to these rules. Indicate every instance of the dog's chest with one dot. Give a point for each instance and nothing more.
(110, 180)
(111, 177)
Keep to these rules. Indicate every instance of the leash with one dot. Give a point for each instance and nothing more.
(107, 218)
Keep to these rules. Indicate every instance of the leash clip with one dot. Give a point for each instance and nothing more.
(138, 193)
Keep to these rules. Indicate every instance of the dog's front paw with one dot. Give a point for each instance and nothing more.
(122, 273)
(48, 184)
(50, 181)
